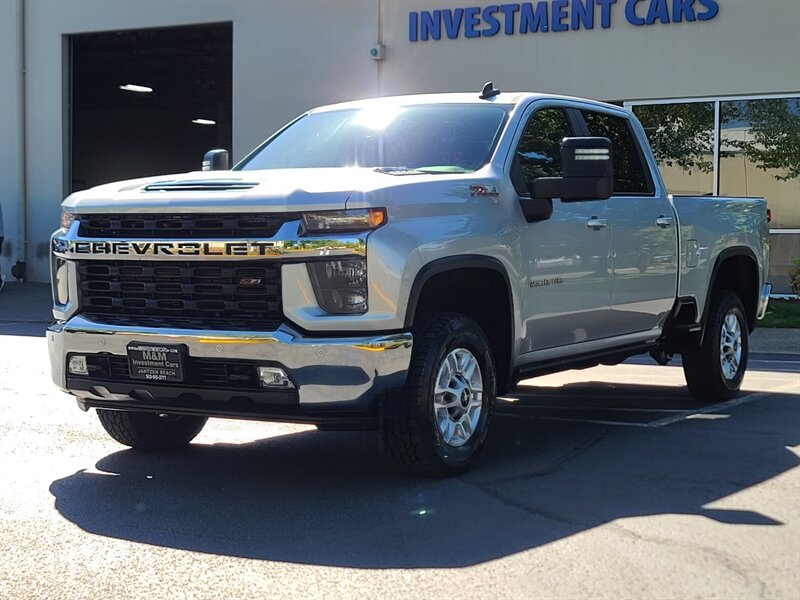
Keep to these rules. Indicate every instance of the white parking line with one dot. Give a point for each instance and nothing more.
(610, 408)
(709, 409)
(681, 415)
(575, 420)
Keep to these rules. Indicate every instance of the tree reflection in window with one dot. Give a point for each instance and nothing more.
(629, 177)
(682, 139)
(680, 135)
(773, 134)
(539, 150)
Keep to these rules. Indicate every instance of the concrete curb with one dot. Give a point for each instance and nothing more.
(775, 341)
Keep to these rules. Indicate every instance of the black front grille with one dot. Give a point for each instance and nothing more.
(175, 322)
(202, 226)
(199, 292)
(203, 372)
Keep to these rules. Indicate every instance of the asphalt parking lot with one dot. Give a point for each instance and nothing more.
(603, 483)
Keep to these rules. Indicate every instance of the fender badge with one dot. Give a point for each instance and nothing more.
(483, 191)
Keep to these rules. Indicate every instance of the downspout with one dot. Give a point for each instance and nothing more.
(380, 41)
(18, 270)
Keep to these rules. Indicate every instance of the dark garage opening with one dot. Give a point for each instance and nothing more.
(125, 133)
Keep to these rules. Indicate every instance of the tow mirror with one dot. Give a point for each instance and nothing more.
(587, 172)
(215, 160)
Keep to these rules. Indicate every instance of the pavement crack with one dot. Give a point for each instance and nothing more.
(488, 487)
(556, 467)
(511, 503)
(726, 560)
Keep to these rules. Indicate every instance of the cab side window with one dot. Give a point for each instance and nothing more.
(629, 171)
(539, 150)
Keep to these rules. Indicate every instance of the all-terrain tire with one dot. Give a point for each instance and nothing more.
(412, 438)
(150, 431)
(703, 366)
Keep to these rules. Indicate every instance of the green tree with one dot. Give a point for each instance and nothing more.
(683, 134)
(774, 132)
(680, 134)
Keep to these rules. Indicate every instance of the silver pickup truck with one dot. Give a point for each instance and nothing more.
(396, 264)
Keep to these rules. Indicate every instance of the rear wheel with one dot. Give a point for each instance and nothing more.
(439, 422)
(150, 431)
(715, 370)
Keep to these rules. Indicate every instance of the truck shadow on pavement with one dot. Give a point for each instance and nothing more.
(325, 498)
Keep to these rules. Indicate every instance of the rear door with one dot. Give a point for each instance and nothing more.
(568, 289)
(644, 241)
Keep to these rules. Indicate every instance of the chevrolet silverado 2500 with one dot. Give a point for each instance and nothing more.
(396, 264)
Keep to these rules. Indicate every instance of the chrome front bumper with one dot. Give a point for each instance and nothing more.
(326, 371)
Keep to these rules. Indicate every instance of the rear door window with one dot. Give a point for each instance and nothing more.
(630, 174)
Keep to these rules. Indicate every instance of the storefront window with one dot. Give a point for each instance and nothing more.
(682, 139)
(760, 155)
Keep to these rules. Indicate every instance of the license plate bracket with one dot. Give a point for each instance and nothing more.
(157, 362)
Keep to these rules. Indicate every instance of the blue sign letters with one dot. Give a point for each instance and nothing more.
(551, 15)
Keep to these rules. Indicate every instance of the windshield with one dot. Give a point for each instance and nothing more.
(435, 138)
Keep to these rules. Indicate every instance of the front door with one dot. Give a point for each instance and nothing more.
(568, 289)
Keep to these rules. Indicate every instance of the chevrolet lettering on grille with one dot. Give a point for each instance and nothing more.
(76, 248)
(244, 248)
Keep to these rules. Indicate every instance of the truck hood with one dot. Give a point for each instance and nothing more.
(277, 190)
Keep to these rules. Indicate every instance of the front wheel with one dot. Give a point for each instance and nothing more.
(439, 422)
(715, 370)
(150, 431)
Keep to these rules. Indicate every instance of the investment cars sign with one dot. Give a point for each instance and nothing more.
(552, 15)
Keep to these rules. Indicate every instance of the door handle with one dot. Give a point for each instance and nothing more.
(597, 224)
(664, 222)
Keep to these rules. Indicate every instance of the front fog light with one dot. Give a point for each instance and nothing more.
(340, 285)
(274, 377)
(77, 365)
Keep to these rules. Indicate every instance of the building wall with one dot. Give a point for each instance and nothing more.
(10, 129)
(289, 55)
(749, 47)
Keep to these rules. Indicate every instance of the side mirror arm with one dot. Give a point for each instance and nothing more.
(536, 209)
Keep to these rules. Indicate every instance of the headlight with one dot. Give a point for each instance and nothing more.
(67, 219)
(340, 285)
(341, 221)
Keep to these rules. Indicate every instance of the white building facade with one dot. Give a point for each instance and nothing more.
(715, 82)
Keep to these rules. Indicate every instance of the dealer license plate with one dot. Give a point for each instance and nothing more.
(156, 362)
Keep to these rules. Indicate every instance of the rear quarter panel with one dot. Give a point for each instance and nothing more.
(708, 226)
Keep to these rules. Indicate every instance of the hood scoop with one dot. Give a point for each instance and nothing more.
(201, 185)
